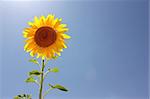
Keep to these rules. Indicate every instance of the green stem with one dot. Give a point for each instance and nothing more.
(41, 81)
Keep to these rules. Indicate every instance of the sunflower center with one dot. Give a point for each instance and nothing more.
(45, 36)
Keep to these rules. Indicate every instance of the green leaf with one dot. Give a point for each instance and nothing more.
(55, 70)
(23, 96)
(34, 61)
(57, 86)
(34, 73)
(55, 57)
(30, 80)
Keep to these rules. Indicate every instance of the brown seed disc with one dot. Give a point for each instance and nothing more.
(45, 36)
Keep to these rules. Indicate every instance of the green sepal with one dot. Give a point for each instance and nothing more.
(57, 86)
(55, 57)
(34, 73)
(30, 80)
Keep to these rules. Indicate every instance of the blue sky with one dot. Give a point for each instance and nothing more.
(107, 57)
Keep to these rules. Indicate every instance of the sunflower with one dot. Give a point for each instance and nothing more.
(45, 37)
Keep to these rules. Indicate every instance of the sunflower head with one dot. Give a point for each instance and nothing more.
(45, 37)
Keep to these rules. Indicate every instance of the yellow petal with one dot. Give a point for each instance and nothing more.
(33, 51)
(25, 47)
(61, 26)
(32, 25)
(29, 40)
(58, 53)
(42, 20)
(39, 53)
(57, 23)
(59, 46)
(54, 22)
(65, 36)
(36, 21)
(28, 30)
(61, 50)
(45, 52)
(64, 45)
(49, 56)
(62, 29)
(43, 57)
(48, 19)
(26, 34)
(52, 53)
(51, 19)
(30, 47)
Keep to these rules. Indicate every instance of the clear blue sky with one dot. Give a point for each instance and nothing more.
(107, 57)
